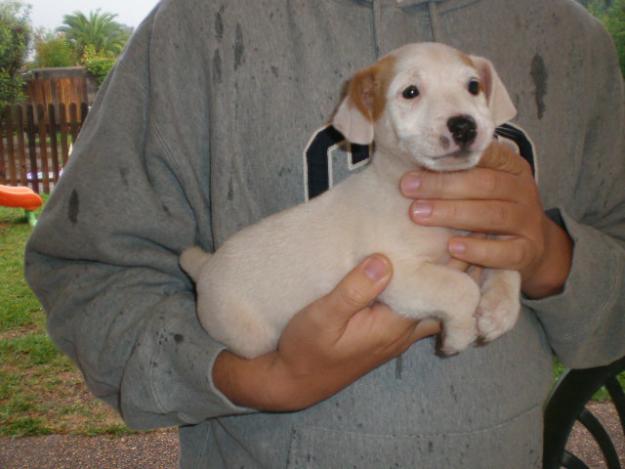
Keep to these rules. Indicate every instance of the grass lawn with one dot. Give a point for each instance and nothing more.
(41, 391)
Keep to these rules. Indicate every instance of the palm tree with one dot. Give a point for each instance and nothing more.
(98, 32)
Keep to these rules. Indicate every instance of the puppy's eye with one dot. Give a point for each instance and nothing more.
(411, 92)
(474, 87)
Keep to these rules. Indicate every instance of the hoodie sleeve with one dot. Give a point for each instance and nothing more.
(585, 323)
(103, 259)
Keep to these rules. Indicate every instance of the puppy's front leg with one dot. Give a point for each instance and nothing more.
(436, 291)
(500, 304)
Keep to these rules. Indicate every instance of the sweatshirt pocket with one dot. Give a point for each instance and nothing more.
(514, 444)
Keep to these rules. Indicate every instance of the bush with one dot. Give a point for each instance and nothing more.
(97, 64)
(99, 68)
(53, 51)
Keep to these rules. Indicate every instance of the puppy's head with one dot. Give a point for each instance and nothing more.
(428, 104)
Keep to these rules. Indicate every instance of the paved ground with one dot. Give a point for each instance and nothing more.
(156, 450)
(159, 450)
(583, 446)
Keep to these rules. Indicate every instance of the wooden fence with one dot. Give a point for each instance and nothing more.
(35, 143)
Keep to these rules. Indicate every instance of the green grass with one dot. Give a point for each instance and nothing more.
(31, 350)
(18, 307)
(41, 391)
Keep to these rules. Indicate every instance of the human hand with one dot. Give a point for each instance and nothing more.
(498, 197)
(325, 347)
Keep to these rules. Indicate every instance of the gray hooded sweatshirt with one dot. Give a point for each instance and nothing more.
(214, 118)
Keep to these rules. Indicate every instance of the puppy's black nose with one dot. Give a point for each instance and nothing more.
(463, 129)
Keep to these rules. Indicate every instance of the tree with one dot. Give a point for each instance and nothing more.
(15, 34)
(53, 50)
(98, 30)
(97, 40)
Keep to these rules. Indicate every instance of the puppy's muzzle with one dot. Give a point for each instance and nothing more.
(463, 129)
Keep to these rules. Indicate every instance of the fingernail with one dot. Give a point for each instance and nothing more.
(421, 209)
(457, 247)
(375, 268)
(410, 184)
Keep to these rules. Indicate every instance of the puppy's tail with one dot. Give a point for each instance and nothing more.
(192, 260)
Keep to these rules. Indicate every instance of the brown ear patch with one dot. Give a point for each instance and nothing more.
(486, 79)
(467, 60)
(367, 89)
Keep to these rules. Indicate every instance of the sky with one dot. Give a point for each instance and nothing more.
(49, 13)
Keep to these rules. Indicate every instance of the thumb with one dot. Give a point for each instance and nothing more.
(359, 288)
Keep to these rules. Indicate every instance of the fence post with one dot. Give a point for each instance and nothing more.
(2, 152)
(84, 110)
(10, 146)
(21, 148)
(63, 127)
(32, 148)
(73, 121)
(43, 147)
(52, 130)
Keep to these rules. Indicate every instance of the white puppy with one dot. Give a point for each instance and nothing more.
(425, 105)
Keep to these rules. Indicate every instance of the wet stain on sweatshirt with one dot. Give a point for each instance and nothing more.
(239, 48)
(219, 24)
(539, 76)
(74, 207)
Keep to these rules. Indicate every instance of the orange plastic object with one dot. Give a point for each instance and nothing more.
(19, 197)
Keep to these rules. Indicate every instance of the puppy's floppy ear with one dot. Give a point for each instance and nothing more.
(354, 116)
(364, 102)
(497, 96)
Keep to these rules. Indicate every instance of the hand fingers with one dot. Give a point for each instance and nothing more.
(461, 266)
(513, 253)
(477, 184)
(470, 215)
(358, 289)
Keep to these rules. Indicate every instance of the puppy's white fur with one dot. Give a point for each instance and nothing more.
(251, 287)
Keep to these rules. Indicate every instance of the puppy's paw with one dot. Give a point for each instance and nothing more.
(496, 313)
(456, 340)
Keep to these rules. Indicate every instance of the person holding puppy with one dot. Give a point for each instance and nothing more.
(199, 131)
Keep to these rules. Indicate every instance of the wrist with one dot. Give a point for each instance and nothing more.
(245, 382)
(551, 273)
(267, 383)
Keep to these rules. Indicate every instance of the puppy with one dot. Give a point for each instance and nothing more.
(426, 105)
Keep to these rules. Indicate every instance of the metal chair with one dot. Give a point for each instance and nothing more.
(568, 404)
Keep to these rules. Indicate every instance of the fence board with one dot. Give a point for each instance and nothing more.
(10, 131)
(73, 120)
(30, 138)
(64, 128)
(3, 159)
(21, 145)
(43, 149)
(31, 133)
(56, 169)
